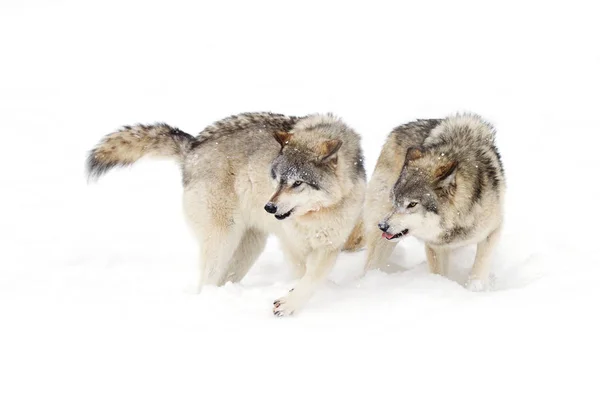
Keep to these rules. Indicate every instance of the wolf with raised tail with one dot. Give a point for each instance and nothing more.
(253, 174)
(441, 181)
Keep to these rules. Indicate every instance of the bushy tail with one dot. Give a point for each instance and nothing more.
(131, 143)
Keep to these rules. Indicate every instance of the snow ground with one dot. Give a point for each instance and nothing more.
(92, 278)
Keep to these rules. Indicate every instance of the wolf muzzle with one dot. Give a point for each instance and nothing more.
(271, 208)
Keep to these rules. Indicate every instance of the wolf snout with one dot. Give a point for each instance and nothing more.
(384, 226)
(270, 208)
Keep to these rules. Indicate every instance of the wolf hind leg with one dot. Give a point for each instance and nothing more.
(218, 233)
(217, 250)
(478, 278)
(251, 246)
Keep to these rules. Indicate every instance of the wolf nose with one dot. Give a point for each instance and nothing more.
(270, 208)
(384, 226)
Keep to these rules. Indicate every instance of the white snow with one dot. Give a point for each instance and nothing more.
(93, 300)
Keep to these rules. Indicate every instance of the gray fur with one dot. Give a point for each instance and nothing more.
(446, 184)
(246, 122)
(308, 171)
(130, 143)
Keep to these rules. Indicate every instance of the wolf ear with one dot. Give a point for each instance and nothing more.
(283, 138)
(414, 153)
(328, 149)
(445, 174)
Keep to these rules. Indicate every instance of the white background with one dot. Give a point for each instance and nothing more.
(93, 277)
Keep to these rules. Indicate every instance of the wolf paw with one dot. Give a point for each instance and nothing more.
(281, 308)
(287, 306)
(476, 285)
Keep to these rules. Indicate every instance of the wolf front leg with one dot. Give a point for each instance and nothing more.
(437, 259)
(379, 250)
(318, 265)
(478, 278)
(251, 246)
(295, 256)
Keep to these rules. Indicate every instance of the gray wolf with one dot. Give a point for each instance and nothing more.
(253, 174)
(442, 181)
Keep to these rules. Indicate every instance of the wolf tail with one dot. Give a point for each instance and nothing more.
(129, 144)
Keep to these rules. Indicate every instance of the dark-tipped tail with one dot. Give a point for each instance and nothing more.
(129, 144)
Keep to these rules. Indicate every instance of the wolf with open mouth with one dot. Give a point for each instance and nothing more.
(441, 181)
(253, 174)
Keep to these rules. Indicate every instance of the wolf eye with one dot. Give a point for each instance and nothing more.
(411, 204)
(297, 183)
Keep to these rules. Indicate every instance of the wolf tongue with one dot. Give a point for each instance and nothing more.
(387, 235)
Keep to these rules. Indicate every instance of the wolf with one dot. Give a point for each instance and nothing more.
(254, 174)
(441, 181)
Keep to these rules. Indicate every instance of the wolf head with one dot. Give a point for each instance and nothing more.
(304, 174)
(427, 180)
